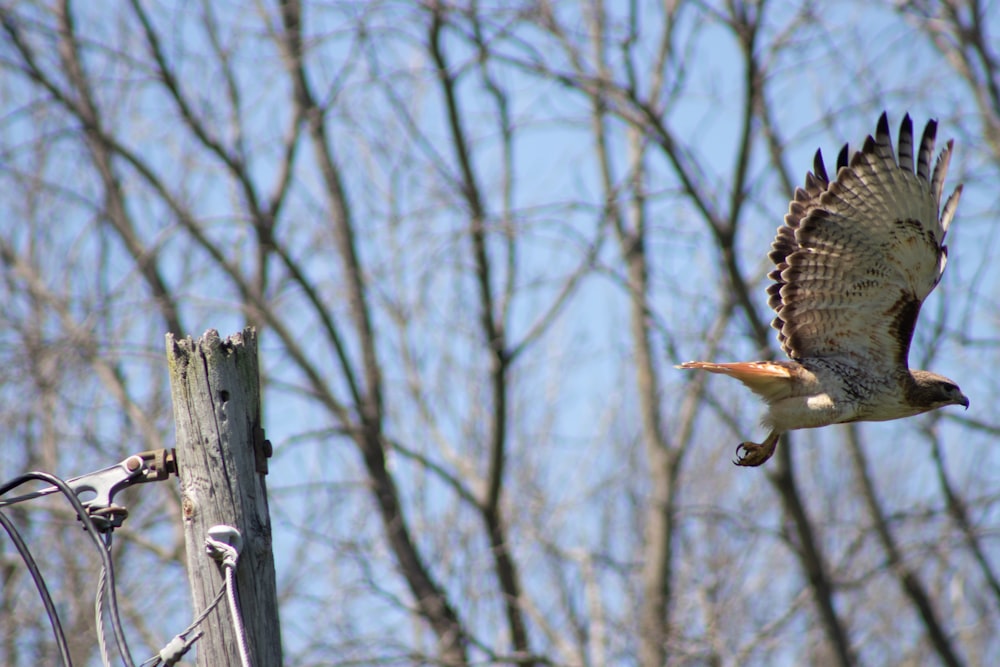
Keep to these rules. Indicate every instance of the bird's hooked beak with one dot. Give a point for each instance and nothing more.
(964, 401)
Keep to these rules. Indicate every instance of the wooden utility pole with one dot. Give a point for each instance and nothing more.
(221, 462)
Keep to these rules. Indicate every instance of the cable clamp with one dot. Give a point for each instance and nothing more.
(224, 544)
(175, 649)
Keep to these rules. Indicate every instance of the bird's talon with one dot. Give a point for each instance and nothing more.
(751, 454)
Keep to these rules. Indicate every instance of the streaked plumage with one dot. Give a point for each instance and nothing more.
(854, 261)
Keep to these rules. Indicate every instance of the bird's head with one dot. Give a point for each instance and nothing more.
(932, 391)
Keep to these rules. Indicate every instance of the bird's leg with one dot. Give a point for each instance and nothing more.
(752, 454)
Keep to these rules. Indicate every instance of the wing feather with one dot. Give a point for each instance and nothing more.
(926, 150)
(906, 144)
(857, 256)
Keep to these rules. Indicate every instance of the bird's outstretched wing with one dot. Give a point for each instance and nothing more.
(857, 256)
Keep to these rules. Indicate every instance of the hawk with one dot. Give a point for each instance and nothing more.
(854, 260)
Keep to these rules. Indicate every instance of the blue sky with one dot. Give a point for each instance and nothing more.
(576, 476)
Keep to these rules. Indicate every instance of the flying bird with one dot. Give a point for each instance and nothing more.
(854, 260)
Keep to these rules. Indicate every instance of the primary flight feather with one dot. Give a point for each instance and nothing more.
(854, 261)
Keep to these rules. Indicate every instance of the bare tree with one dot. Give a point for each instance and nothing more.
(475, 238)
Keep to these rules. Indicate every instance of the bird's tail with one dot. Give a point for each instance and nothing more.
(769, 379)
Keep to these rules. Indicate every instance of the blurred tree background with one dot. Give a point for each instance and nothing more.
(475, 237)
